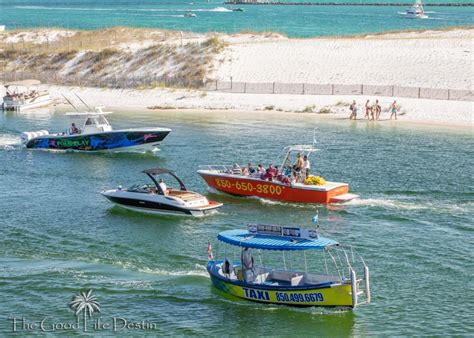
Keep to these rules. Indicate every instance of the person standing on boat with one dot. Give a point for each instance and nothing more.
(393, 109)
(163, 186)
(306, 166)
(353, 109)
(247, 265)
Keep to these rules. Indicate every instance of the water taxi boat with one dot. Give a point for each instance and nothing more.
(290, 188)
(157, 198)
(415, 12)
(316, 271)
(23, 95)
(96, 134)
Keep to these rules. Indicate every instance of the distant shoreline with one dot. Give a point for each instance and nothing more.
(245, 31)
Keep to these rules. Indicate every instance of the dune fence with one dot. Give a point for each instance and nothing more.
(339, 89)
(144, 81)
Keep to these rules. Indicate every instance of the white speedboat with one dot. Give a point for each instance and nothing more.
(415, 12)
(95, 134)
(190, 15)
(25, 94)
(157, 198)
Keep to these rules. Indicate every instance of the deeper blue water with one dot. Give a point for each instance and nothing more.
(413, 224)
(294, 21)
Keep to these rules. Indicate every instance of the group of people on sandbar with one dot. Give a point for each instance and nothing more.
(296, 172)
(372, 112)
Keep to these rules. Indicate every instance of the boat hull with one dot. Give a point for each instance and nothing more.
(113, 140)
(41, 101)
(250, 186)
(332, 295)
(146, 205)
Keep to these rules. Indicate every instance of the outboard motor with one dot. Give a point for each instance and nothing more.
(28, 135)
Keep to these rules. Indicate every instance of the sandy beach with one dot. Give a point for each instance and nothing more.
(430, 59)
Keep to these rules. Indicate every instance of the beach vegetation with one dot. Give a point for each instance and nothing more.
(269, 108)
(309, 109)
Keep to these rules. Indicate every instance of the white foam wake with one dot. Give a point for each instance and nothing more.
(9, 141)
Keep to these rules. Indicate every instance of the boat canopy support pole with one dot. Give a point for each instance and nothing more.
(284, 261)
(160, 191)
(367, 284)
(182, 187)
(305, 262)
(354, 288)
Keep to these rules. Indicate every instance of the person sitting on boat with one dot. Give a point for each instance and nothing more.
(226, 268)
(251, 169)
(306, 166)
(247, 265)
(270, 173)
(236, 170)
(260, 169)
(74, 129)
(245, 171)
(163, 186)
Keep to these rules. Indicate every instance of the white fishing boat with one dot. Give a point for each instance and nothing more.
(25, 94)
(415, 12)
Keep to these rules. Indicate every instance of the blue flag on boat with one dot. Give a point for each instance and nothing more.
(315, 219)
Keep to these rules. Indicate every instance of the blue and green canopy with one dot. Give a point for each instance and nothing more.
(245, 239)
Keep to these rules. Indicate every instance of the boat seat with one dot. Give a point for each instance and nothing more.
(261, 278)
(298, 280)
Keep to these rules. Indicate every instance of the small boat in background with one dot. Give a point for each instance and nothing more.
(239, 9)
(157, 198)
(95, 134)
(190, 15)
(415, 12)
(21, 95)
(322, 273)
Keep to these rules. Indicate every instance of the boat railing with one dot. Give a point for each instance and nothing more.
(220, 168)
(361, 286)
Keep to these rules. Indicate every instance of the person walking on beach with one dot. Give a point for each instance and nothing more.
(367, 110)
(353, 109)
(393, 109)
(378, 109)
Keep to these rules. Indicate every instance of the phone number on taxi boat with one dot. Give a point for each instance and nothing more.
(298, 297)
(250, 187)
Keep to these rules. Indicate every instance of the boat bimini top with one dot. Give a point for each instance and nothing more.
(160, 171)
(276, 237)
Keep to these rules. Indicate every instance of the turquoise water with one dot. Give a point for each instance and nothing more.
(295, 21)
(412, 224)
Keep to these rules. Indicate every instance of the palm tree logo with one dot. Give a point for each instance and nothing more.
(86, 303)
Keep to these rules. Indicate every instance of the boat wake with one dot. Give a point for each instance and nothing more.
(199, 270)
(9, 142)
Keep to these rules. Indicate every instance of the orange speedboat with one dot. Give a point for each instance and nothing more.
(284, 185)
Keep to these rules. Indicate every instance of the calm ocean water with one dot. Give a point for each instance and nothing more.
(295, 21)
(412, 224)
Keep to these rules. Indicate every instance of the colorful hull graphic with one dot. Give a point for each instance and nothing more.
(328, 295)
(242, 186)
(99, 141)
